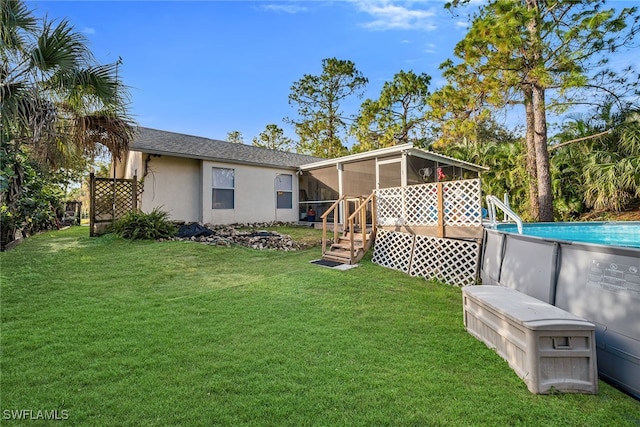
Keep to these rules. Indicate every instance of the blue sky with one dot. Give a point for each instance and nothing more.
(207, 68)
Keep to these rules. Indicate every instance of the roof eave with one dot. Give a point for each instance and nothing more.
(450, 160)
(396, 149)
(359, 156)
(212, 159)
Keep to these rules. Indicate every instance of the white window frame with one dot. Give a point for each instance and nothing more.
(223, 187)
(281, 190)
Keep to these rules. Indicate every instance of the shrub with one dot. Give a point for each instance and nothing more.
(33, 208)
(137, 225)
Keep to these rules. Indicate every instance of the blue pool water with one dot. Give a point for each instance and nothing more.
(603, 233)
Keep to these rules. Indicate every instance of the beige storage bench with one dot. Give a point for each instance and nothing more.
(549, 348)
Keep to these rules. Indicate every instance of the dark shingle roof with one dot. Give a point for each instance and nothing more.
(156, 141)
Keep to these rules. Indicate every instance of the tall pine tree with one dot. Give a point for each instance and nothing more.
(544, 55)
(397, 116)
(322, 124)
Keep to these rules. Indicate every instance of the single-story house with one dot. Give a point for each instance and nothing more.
(204, 180)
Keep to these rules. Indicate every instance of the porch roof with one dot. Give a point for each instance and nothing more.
(408, 149)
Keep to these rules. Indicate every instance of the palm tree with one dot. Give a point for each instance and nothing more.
(612, 171)
(597, 161)
(567, 161)
(503, 153)
(58, 104)
(567, 183)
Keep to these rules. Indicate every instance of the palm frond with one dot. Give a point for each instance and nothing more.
(15, 20)
(104, 128)
(59, 46)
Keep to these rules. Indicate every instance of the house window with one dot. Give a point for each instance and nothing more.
(223, 188)
(284, 191)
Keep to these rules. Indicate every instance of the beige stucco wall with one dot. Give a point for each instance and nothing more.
(255, 196)
(173, 185)
(183, 187)
(129, 165)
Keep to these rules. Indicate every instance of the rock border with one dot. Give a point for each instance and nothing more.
(258, 238)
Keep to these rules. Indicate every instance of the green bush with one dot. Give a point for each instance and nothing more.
(137, 225)
(31, 209)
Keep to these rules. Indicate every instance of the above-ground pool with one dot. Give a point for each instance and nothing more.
(604, 233)
(589, 269)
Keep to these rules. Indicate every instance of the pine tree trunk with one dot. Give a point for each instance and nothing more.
(532, 172)
(537, 93)
(545, 196)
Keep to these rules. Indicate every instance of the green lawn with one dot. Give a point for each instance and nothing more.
(110, 332)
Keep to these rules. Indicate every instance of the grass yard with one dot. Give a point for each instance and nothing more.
(110, 332)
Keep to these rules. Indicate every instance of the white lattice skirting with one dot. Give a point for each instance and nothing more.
(451, 261)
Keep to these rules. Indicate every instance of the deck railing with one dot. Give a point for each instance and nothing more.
(359, 217)
(449, 203)
(332, 209)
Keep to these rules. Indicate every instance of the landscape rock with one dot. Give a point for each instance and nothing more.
(258, 238)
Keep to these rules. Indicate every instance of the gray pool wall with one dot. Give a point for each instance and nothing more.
(597, 282)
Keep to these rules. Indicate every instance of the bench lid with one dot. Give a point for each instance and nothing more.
(524, 309)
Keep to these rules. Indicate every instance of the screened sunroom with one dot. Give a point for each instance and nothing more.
(324, 182)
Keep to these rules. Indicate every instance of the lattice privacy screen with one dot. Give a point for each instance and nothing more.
(418, 204)
(451, 261)
(113, 197)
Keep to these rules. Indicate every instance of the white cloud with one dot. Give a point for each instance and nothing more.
(285, 8)
(462, 24)
(390, 15)
(430, 48)
(88, 30)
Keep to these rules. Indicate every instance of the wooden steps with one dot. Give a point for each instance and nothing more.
(356, 238)
(340, 251)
